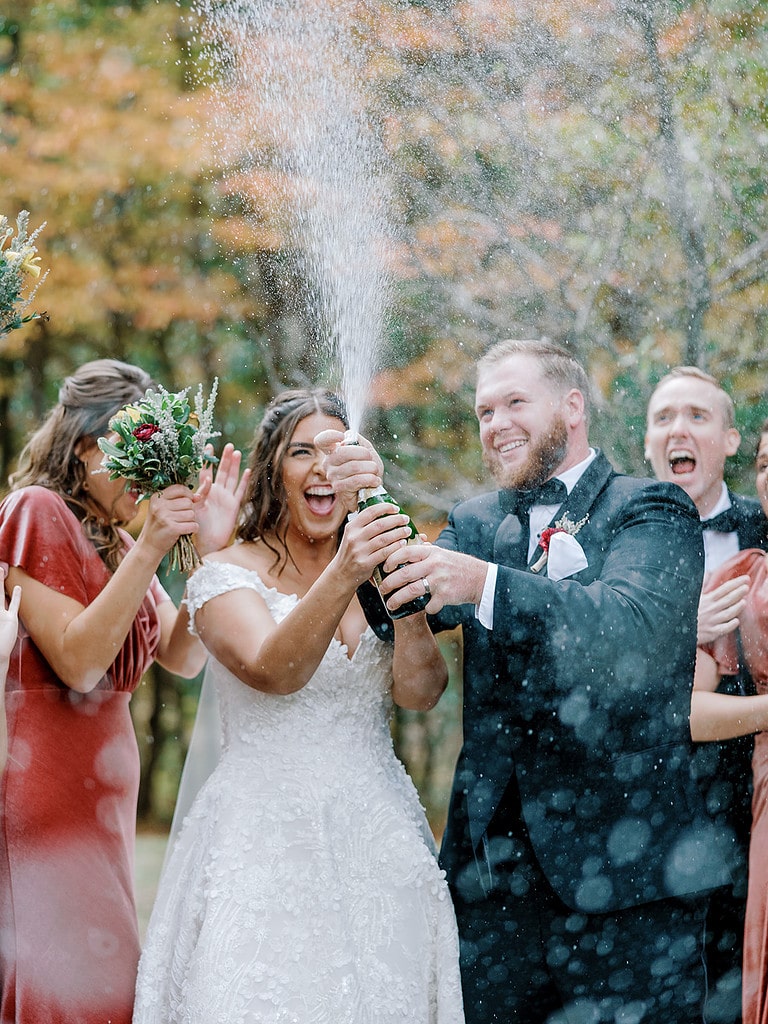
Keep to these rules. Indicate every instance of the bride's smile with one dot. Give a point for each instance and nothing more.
(315, 512)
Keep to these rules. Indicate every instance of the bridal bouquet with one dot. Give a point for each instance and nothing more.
(161, 441)
(18, 258)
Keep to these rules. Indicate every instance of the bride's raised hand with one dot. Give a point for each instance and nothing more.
(369, 538)
(218, 500)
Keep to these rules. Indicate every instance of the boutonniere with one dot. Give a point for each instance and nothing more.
(562, 525)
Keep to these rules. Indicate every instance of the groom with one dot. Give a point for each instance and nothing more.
(575, 849)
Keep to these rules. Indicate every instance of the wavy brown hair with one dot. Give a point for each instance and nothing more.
(88, 399)
(265, 511)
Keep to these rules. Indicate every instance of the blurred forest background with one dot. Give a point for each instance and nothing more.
(593, 171)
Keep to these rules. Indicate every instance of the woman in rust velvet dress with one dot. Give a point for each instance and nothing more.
(93, 616)
(720, 716)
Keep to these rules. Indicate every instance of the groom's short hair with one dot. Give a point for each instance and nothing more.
(557, 364)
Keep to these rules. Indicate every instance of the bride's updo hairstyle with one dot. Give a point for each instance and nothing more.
(265, 510)
(88, 399)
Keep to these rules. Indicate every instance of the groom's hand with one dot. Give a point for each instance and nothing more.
(451, 577)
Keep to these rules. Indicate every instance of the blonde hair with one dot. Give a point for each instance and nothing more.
(694, 373)
(557, 364)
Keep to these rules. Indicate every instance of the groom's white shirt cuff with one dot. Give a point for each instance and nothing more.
(484, 610)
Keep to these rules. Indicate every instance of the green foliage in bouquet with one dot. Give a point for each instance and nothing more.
(18, 259)
(160, 441)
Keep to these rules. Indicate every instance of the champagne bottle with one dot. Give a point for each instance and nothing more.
(375, 496)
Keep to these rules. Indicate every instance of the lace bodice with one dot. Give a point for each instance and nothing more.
(346, 705)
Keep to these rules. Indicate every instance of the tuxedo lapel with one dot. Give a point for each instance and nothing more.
(588, 486)
(510, 545)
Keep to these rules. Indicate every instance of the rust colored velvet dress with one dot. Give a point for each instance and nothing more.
(69, 943)
(754, 642)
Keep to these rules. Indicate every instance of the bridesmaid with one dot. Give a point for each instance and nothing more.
(721, 716)
(93, 617)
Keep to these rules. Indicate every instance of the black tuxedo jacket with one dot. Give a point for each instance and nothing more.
(580, 695)
(752, 526)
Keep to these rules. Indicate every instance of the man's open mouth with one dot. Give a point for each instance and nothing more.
(681, 462)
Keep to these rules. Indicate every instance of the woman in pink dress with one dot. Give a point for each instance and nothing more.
(721, 716)
(93, 616)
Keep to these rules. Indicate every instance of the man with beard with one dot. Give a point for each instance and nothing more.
(690, 432)
(575, 844)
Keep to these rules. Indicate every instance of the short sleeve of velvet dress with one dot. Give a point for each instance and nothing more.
(752, 635)
(41, 535)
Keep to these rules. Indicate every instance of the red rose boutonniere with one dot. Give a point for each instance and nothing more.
(562, 525)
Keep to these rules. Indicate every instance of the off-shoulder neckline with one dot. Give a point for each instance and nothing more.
(337, 644)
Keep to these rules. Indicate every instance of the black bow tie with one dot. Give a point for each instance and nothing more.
(552, 492)
(724, 522)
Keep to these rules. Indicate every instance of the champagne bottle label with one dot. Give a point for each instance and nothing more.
(376, 496)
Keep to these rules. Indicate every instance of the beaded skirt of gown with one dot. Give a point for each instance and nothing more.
(303, 886)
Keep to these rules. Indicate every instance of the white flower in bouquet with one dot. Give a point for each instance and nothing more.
(18, 261)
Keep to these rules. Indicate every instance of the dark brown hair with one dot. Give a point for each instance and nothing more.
(88, 399)
(266, 514)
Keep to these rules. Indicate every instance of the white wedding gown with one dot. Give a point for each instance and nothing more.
(303, 888)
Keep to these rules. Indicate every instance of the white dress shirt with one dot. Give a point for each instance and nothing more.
(718, 546)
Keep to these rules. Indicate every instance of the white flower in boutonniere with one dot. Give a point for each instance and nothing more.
(562, 525)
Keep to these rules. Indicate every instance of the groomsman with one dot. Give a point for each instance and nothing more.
(576, 846)
(690, 434)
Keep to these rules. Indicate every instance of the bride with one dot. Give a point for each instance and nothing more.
(303, 886)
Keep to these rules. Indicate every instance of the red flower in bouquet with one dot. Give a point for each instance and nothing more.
(145, 431)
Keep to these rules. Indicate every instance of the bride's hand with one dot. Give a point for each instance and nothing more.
(219, 499)
(370, 537)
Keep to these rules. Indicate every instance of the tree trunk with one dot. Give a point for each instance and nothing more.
(688, 229)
